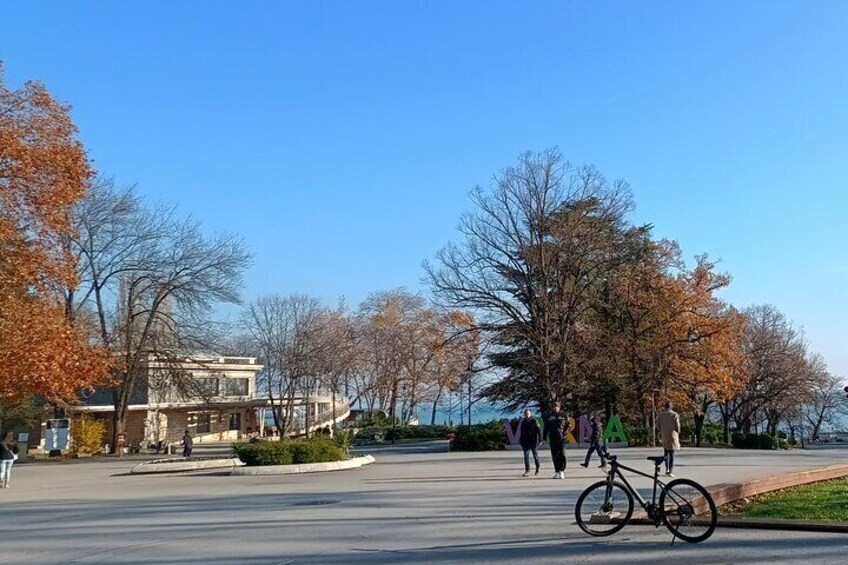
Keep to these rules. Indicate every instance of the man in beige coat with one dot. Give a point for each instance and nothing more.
(669, 423)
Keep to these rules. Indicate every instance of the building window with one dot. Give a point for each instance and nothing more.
(204, 424)
(207, 387)
(236, 387)
(235, 421)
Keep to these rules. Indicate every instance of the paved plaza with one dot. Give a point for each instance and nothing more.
(417, 504)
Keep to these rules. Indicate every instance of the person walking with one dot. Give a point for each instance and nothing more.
(555, 434)
(529, 438)
(188, 443)
(595, 443)
(669, 422)
(8, 455)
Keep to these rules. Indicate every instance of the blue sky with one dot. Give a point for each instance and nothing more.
(341, 139)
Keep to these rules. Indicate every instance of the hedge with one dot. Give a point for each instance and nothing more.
(290, 452)
(479, 437)
(387, 433)
(753, 441)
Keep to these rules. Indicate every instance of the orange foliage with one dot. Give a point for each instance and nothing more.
(43, 173)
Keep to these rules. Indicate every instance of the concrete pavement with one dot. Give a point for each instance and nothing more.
(417, 504)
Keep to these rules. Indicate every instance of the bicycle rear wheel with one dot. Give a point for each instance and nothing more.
(599, 514)
(688, 510)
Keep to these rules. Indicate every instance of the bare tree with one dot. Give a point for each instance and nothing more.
(777, 374)
(534, 259)
(826, 401)
(151, 281)
(285, 329)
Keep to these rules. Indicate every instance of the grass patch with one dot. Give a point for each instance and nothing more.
(824, 501)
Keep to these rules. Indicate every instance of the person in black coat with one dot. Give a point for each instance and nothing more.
(595, 439)
(529, 437)
(555, 426)
(188, 444)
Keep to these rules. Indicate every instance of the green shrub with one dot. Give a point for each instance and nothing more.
(753, 441)
(381, 433)
(264, 453)
(765, 441)
(782, 443)
(317, 449)
(344, 439)
(712, 434)
(479, 437)
(737, 440)
(637, 435)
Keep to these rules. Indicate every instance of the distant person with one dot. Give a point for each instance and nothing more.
(8, 455)
(669, 423)
(529, 438)
(596, 443)
(555, 425)
(188, 444)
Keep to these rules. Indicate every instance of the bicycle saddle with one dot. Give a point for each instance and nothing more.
(657, 459)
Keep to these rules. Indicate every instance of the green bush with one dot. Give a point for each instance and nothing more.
(344, 439)
(637, 435)
(264, 453)
(765, 441)
(289, 452)
(737, 440)
(316, 450)
(479, 437)
(381, 433)
(752, 441)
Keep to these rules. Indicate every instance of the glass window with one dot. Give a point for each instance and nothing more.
(235, 420)
(235, 387)
(207, 386)
(204, 424)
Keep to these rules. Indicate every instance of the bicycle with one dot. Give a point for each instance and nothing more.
(684, 506)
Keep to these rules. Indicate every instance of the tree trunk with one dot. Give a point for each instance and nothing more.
(699, 426)
(435, 406)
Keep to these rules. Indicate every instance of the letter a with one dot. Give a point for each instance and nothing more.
(615, 431)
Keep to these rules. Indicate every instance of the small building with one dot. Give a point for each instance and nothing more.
(213, 397)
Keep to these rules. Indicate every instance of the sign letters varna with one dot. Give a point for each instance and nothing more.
(578, 431)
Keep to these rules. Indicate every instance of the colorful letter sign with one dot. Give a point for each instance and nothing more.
(613, 433)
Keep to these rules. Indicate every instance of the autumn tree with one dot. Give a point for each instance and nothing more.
(44, 173)
(669, 336)
(387, 319)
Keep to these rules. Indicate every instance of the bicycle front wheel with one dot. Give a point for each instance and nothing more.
(688, 510)
(602, 511)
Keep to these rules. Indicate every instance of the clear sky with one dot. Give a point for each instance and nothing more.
(341, 139)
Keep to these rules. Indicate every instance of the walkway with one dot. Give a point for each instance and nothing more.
(416, 505)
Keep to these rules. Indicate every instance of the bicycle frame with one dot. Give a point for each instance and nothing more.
(650, 507)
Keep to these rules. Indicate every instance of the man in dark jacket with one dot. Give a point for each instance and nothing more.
(555, 426)
(188, 443)
(595, 439)
(529, 437)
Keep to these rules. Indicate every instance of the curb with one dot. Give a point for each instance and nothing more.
(182, 465)
(726, 493)
(354, 463)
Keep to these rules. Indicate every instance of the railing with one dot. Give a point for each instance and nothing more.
(323, 418)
